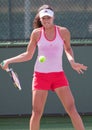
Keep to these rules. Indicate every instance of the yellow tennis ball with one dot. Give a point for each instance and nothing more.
(42, 59)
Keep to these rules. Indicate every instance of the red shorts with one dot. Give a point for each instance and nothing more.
(49, 81)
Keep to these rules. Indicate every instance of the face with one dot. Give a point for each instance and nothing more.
(47, 21)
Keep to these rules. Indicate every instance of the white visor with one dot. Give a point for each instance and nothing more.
(46, 12)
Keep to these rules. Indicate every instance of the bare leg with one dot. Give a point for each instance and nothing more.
(65, 96)
(38, 102)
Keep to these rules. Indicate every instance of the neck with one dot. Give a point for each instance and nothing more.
(49, 28)
(50, 33)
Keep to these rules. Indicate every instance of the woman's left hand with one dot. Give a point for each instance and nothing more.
(79, 67)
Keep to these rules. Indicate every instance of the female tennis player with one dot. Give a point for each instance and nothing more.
(51, 39)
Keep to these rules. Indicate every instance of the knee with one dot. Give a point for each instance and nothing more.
(71, 108)
(36, 113)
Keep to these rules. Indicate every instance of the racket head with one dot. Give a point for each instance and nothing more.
(14, 78)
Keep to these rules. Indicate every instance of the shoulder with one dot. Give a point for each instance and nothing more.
(36, 33)
(37, 30)
(63, 31)
(65, 34)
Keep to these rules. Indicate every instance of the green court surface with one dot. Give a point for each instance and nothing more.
(47, 123)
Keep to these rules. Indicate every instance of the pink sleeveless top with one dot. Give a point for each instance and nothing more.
(52, 50)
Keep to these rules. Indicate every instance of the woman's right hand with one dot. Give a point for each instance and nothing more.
(4, 64)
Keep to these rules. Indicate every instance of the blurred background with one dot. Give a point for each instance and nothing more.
(16, 19)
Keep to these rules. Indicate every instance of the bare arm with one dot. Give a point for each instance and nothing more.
(67, 46)
(69, 52)
(24, 56)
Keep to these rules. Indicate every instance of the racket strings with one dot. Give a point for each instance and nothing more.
(15, 79)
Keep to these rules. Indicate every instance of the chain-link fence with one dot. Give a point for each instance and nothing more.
(16, 17)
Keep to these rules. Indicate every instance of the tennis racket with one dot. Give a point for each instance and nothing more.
(13, 76)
